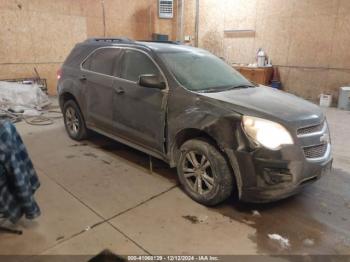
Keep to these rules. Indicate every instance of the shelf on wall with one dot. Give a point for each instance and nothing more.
(239, 31)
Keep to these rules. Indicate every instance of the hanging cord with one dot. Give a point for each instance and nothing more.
(14, 118)
(103, 17)
(44, 119)
(38, 120)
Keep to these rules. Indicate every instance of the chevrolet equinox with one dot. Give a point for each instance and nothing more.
(223, 133)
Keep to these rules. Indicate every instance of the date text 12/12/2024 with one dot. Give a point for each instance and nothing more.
(173, 258)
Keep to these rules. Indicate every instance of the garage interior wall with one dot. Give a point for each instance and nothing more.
(41, 33)
(308, 39)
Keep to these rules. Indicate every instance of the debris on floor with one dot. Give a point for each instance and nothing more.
(192, 219)
(256, 213)
(284, 242)
(202, 218)
(195, 219)
(59, 238)
(19, 101)
(308, 242)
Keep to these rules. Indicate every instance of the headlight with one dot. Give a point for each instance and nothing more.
(266, 133)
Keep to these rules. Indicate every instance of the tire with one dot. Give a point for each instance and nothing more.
(74, 121)
(216, 180)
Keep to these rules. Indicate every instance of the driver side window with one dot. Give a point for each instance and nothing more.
(135, 64)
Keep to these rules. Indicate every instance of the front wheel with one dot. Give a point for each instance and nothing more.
(204, 173)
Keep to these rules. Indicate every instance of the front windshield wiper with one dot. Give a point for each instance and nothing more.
(210, 90)
(217, 89)
(241, 86)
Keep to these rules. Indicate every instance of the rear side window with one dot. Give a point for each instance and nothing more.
(135, 64)
(104, 61)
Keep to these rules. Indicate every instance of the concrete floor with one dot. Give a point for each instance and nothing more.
(100, 194)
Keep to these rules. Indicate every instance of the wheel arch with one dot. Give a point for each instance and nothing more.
(185, 135)
(193, 133)
(66, 96)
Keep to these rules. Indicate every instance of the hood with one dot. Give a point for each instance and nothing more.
(270, 103)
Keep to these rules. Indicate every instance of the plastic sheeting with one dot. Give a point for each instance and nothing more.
(24, 95)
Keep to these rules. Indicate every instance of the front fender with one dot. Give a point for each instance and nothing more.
(198, 117)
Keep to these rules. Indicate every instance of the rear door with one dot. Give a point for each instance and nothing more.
(99, 71)
(139, 111)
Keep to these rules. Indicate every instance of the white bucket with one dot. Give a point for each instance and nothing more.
(325, 100)
(261, 58)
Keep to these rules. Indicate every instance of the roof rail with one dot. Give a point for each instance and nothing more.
(111, 40)
(160, 41)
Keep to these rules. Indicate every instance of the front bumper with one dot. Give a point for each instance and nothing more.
(268, 176)
(270, 193)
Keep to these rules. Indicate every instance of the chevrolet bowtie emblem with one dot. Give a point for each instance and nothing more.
(324, 138)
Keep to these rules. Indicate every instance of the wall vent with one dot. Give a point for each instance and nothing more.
(166, 8)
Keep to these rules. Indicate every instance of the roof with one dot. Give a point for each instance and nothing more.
(157, 46)
(167, 47)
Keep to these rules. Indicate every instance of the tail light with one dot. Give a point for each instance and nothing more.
(59, 74)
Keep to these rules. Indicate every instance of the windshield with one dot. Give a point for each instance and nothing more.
(201, 71)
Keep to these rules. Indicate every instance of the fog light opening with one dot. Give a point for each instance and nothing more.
(276, 176)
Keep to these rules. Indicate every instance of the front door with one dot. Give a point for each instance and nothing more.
(139, 111)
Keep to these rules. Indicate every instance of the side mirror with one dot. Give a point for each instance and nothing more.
(151, 81)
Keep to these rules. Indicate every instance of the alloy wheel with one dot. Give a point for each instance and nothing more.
(72, 121)
(198, 172)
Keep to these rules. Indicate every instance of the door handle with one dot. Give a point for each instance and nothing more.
(83, 78)
(119, 90)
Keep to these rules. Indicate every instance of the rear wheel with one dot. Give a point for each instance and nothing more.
(204, 173)
(74, 121)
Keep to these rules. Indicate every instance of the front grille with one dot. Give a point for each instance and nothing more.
(310, 129)
(315, 151)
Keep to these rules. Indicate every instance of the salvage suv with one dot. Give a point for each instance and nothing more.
(225, 134)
